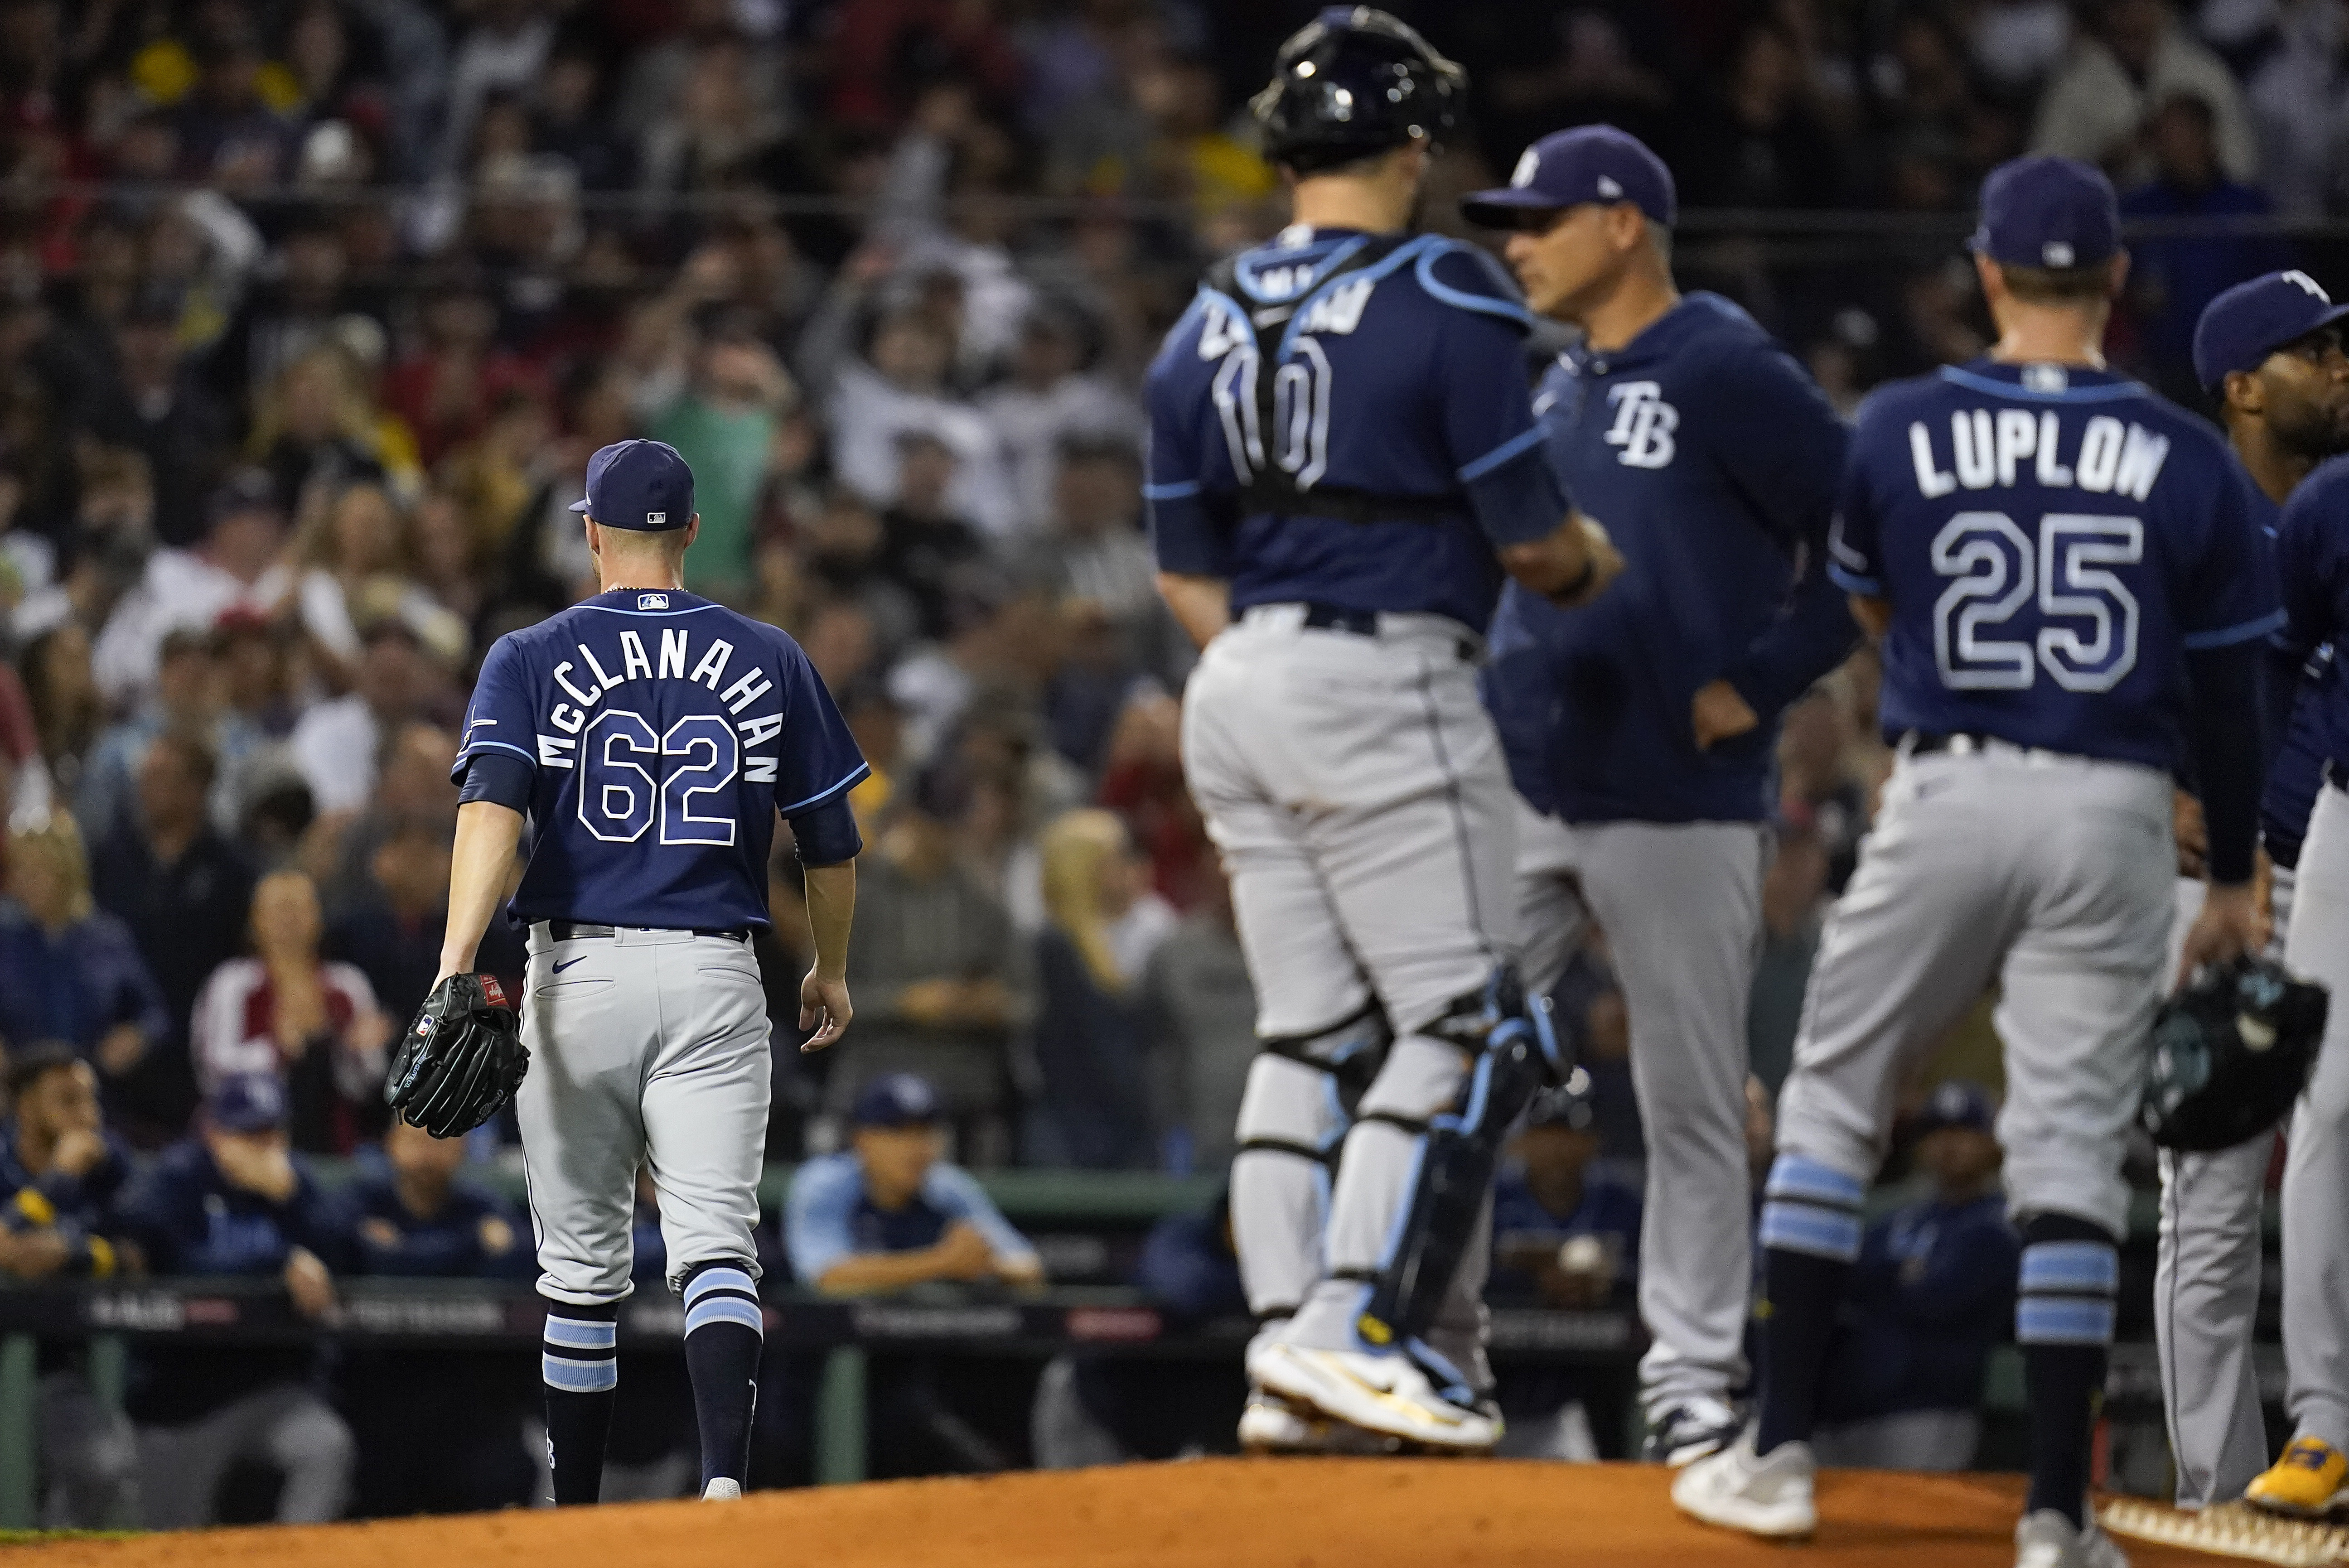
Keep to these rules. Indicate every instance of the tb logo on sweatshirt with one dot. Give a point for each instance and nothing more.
(1643, 425)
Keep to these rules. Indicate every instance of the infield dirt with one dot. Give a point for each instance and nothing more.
(1209, 1513)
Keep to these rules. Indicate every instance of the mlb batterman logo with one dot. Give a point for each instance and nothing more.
(655, 520)
(652, 601)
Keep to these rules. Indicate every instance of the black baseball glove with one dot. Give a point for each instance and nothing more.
(2230, 1053)
(461, 1061)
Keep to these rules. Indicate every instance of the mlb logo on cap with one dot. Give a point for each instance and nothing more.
(2054, 213)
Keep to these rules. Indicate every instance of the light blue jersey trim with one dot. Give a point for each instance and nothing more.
(2112, 393)
(2228, 637)
(655, 615)
(472, 745)
(1853, 582)
(1385, 266)
(1507, 309)
(1244, 270)
(1501, 455)
(1238, 311)
(863, 769)
(1170, 492)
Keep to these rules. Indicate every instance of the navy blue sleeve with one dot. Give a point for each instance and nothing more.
(1782, 444)
(500, 720)
(2230, 593)
(818, 761)
(827, 836)
(1855, 561)
(1487, 408)
(1190, 534)
(2308, 568)
(494, 776)
(2222, 732)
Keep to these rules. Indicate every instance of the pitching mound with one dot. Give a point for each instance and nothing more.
(1218, 1514)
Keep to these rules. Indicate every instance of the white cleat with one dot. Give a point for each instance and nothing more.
(1383, 1394)
(1688, 1432)
(2048, 1540)
(1272, 1425)
(1768, 1496)
(723, 1490)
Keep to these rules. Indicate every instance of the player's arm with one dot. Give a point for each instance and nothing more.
(821, 765)
(1201, 606)
(488, 834)
(824, 995)
(1190, 528)
(1874, 613)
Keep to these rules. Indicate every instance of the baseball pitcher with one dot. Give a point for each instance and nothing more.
(1344, 463)
(2072, 598)
(646, 740)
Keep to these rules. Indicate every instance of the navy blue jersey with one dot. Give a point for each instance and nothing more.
(2296, 768)
(2053, 540)
(1404, 380)
(662, 734)
(473, 1235)
(1712, 459)
(2313, 565)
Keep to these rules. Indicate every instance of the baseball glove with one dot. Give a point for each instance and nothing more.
(2230, 1053)
(461, 1061)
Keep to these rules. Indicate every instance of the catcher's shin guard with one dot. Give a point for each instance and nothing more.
(1516, 1052)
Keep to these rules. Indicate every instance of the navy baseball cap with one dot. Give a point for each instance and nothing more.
(2251, 321)
(640, 485)
(1568, 168)
(2048, 212)
(1956, 1103)
(246, 1102)
(897, 1099)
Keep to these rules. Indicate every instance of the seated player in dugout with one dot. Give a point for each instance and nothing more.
(889, 1212)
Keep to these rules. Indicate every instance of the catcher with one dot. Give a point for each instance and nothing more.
(652, 737)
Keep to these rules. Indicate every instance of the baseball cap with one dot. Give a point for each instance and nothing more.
(897, 1099)
(2048, 212)
(640, 485)
(1956, 1103)
(246, 1102)
(1568, 168)
(2251, 321)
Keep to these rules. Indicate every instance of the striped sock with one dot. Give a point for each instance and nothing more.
(577, 1361)
(724, 1330)
(1811, 1231)
(2063, 1318)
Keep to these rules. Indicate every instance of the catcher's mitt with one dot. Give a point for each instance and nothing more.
(460, 1060)
(2230, 1053)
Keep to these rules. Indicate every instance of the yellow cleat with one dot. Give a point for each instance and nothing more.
(2306, 1483)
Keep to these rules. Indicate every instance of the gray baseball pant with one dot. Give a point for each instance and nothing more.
(2205, 1284)
(283, 1426)
(1356, 788)
(649, 1046)
(2316, 1148)
(2052, 874)
(1681, 907)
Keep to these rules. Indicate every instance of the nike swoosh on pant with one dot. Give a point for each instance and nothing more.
(567, 964)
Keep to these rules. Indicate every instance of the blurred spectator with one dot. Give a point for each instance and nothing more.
(183, 697)
(1095, 549)
(1764, 144)
(1198, 1009)
(2136, 57)
(151, 403)
(1932, 1293)
(889, 1213)
(438, 1431)
(2173, 277)
(1103, 925)
(939, 979)
(901, 386)
(314, 432)
(184, 892)
(1816, 789)
(336, 744)
(392, 932)
(68, 970)
(62, 694)
(232, 1199)
(925, 547)
(1049, 398)
(235, 569)
(60, 1176)
(725, 426)
(1793, 912)
(312, 1027)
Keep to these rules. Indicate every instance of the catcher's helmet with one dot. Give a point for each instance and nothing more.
(1351, 84)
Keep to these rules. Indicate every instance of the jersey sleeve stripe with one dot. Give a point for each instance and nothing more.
(1501, 454)
(1170, 491)
(863, 769)
(473, 745)
(1851, 582)
(2228, 637)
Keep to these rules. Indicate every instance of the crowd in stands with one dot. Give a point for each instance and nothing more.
(311, 311)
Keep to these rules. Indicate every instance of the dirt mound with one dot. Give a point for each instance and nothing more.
(1219, 1513)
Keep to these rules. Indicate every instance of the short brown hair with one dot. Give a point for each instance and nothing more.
(2058, 285)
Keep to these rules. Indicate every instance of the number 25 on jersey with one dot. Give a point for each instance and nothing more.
(2060, 584)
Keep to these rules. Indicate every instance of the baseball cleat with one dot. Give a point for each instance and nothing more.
(1273, 1425)
(1765, 1495)
(1689, 1430)
(723, 1490)
(2306, 1483)
(2048, 1540)
(1383, 1394)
